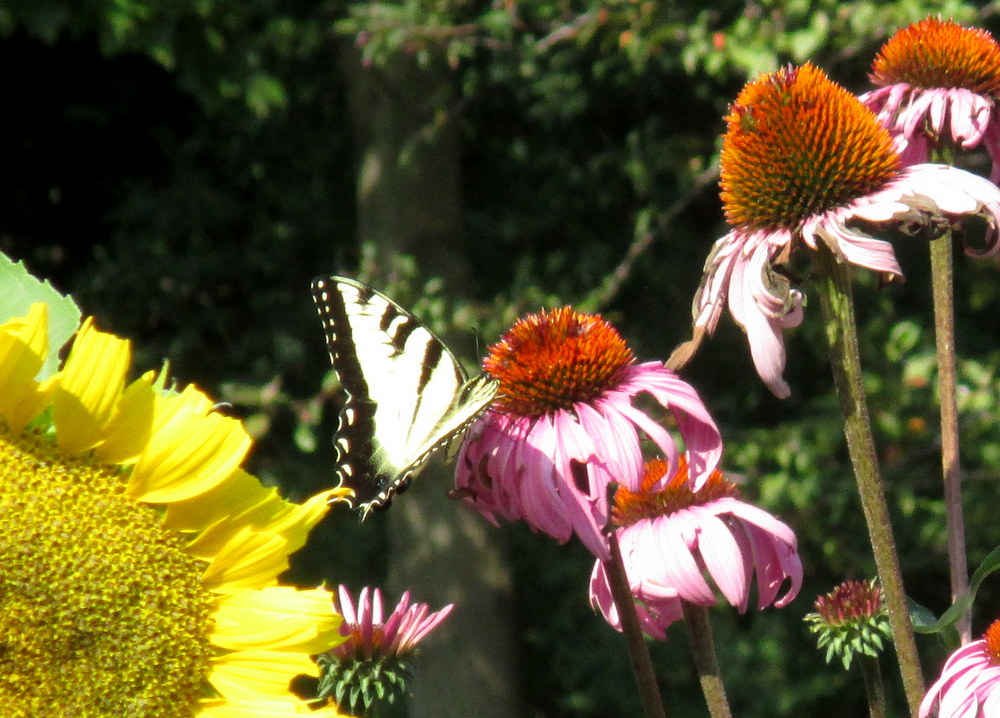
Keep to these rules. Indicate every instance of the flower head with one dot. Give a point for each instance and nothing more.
(374, 660)
(851, 620)
(565, 426)
(138, 562)
(969, 686)
(939, 82)
(802, 162)
(674, 539)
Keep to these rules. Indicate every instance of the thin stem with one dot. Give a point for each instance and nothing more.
(944, 334)
(638, 652)
(845, 359)
(874, 688)
(705, 661)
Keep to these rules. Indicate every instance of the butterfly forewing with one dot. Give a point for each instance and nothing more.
(408, 395)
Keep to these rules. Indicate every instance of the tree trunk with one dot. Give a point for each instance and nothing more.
(409, 201)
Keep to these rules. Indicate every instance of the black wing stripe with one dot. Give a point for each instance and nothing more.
(402, 333)
(340, 338)
(357, 417)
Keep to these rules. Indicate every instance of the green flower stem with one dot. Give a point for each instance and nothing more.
(943, 291)
(845, 359)
(944, 334)
(705, 661)
(874, 688)
(638, 652)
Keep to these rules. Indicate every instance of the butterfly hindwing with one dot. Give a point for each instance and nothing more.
(407, 393)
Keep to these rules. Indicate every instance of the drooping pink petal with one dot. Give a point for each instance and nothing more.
(676, 565)
(722, 557)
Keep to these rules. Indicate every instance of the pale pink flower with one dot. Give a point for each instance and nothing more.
(969, 686)
(683, 545)
(805, 165)
(565, 425)
(938, 83)
(371, 634)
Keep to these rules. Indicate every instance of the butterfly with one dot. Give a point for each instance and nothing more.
(407, 394)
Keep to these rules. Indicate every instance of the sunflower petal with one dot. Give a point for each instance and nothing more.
(190, 451)
(277, 618)
(264, 709)
(258, 675)
(89, 387)
(23, 347)
(130, 427)
(232, 497)
(250, 559)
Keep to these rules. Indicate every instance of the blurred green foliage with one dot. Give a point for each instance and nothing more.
(184, 168)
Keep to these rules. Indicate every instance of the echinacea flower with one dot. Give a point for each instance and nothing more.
(138, 561)
(851, 620)
(564, 426)
(969, 686)
(939, 82)
(674, 539)
(803, 161)
(373, 662)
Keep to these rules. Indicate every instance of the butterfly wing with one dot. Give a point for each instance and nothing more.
(407, 393)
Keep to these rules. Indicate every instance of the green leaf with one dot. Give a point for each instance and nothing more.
(19, 290)
(923, 619)
(990, 564)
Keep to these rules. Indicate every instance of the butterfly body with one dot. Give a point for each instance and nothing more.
(407, 394)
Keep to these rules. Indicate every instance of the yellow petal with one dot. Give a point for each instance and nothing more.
(250, 559)
(190, 450)
(231, 497)
(258, 675)
(266, 709)
(292, 521)
(23, 347)
(210, 541)
(129, 429)
(299, 519)
(90, 385)
(277, 618)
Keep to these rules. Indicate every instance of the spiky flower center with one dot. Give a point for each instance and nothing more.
(850, 602)
(102, 612)
(798, 145)
(362, 640)
(935, 53)
(551, 360)
(657, 497)
(992, 638)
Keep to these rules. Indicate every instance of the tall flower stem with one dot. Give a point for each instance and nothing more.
(638, 652)
(944, 335)
(705, 661)
(841, 333)
(874, 689)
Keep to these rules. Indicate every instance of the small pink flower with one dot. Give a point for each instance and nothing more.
(969, 686)
(565, 425)
(938, 81)
(805, 164)
(371, 635)
(680, 544)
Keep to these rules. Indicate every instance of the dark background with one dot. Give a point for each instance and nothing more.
(184, 169)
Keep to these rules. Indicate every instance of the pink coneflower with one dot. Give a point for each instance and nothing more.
(969, 686)
(370, 634)
(939, 82)
(565, 425)
(373, 664)
(802, 161)
(674, 539)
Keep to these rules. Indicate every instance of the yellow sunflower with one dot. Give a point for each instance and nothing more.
(138, 562)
